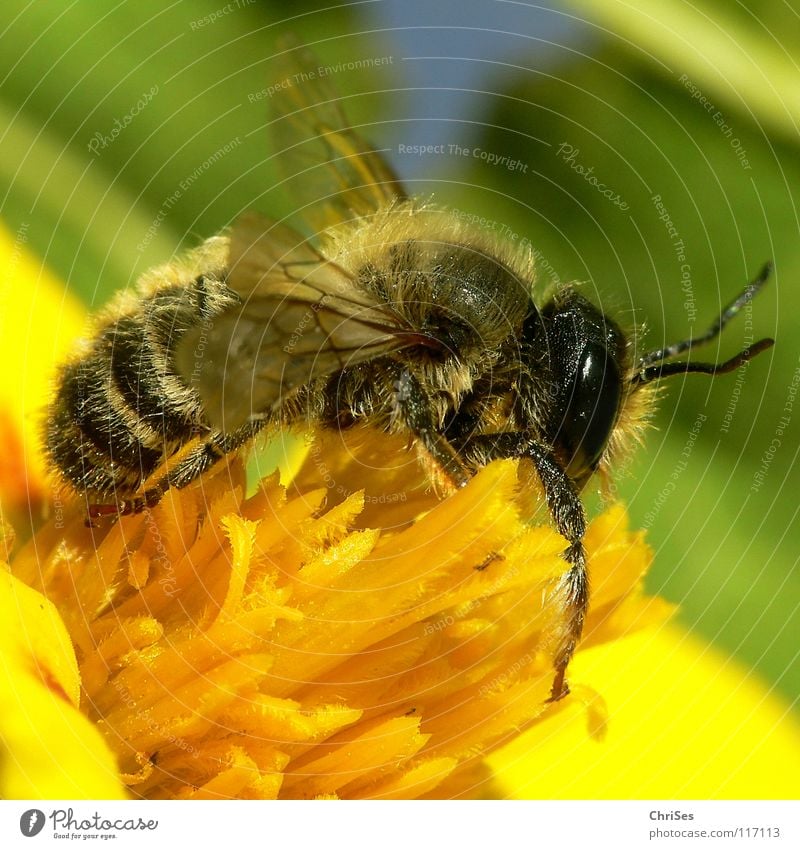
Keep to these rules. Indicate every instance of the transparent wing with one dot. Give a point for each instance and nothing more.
(301, 317)
(333, 173)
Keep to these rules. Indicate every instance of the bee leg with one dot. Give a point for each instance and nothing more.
(414, 409)
(569, 518)
(120, 508)
(128, 506)
(190, 467)
(572, 591)
(198, 461)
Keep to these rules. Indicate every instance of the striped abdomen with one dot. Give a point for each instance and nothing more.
(121, 409)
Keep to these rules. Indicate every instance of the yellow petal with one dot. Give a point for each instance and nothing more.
(49, 749)
(683, 722)
(39, 322)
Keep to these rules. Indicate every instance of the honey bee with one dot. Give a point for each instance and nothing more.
(389, 311)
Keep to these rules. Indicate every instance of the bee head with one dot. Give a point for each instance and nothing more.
(592, 380)
(587, 357)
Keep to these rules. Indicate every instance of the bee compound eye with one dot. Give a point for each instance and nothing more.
(591, 411)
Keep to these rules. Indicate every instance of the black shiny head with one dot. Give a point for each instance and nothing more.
(590, 374)
(586, 353)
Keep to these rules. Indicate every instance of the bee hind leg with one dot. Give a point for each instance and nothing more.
(566, 509)
(199, 460)
(190, 467)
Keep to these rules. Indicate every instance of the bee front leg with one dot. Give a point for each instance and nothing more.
(569, 518)
(572, 592)
(413, 407)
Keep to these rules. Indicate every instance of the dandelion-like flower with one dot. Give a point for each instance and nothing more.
(277, 646)
(354, 635)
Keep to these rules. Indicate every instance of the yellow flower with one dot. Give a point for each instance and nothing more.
(39, 320)
(48, 748)
(355, 636)
(684, 722)
(273, 647)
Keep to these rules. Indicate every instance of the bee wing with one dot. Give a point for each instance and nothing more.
(300, 317)
(334, 173)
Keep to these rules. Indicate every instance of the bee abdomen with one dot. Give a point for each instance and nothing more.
(122, 410)
(93, 434)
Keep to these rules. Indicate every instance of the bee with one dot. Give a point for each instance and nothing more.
(387, 311)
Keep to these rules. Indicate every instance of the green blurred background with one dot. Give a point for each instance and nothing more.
(135, 130)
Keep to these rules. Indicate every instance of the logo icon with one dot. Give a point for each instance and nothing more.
(31, 822)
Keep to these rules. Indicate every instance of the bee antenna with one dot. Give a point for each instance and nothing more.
(750, 291)
(652, 366)
(656, 372)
